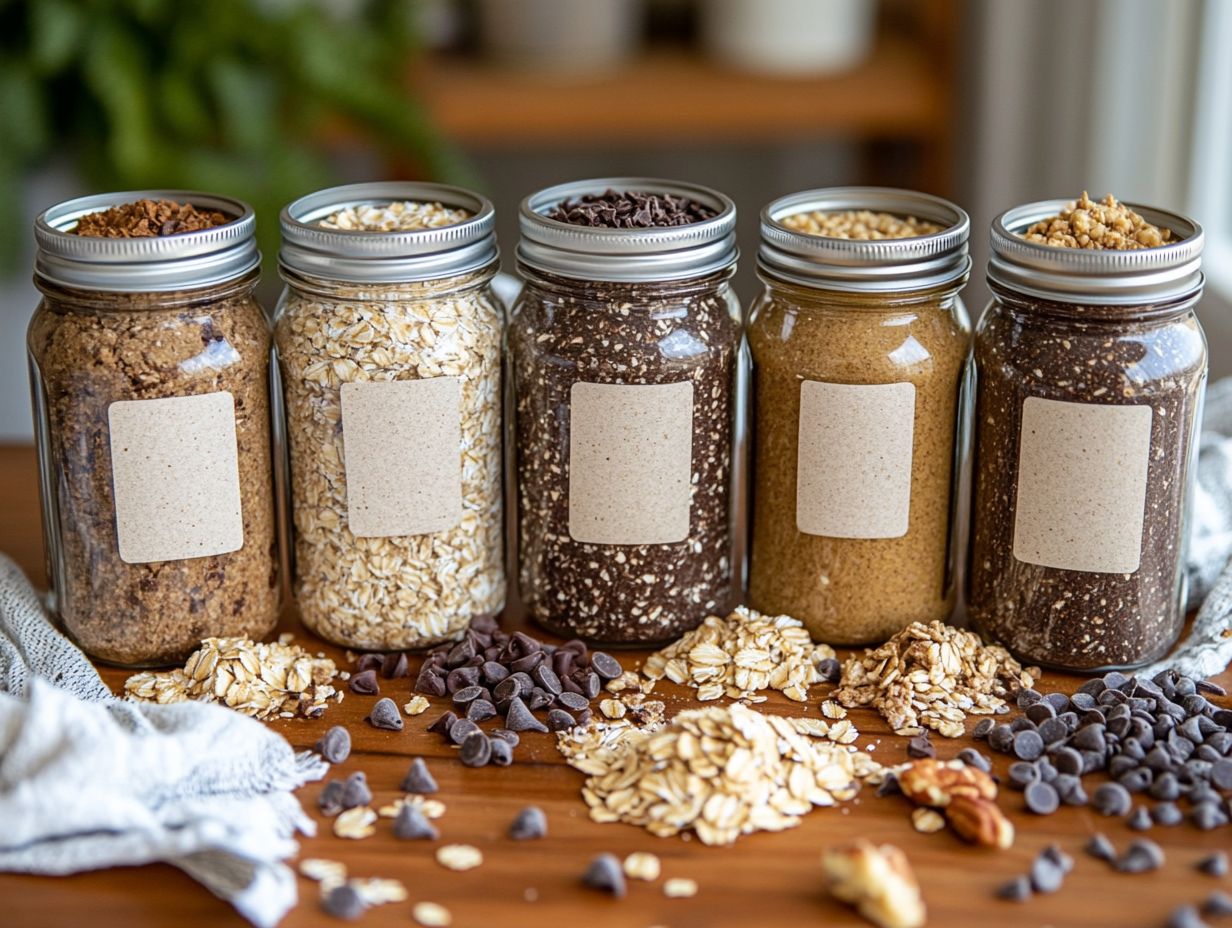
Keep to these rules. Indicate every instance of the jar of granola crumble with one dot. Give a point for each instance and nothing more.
(1091, 367)
(150, 373)
(624, 350)
(860, 345)
(389, 346)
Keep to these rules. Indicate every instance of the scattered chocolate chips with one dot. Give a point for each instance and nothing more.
(418, 779)
(1022, 775)
(335, 745)
(1016, 890)
(519, 718)
(1111, 799)
(344, 902)
(920, 747)
(385, 715)
(1185, 916)
(1141, 856)
(560, 720)
(529, 824)
(1101, 848)
(355, 791)
(1041, 798)
(605, 874)
(1218, 903)
(1046, 876)
(412, 825)
(461, 729)
(502, 752)
(476, 750)
(330, 800)
(365, 683)
(1028, 745)
(973, 758)
(1167, 814)
(509, 737)
(394, 666)
(1215, 864)
(1141, 819)
(982, 728)
(831, 671)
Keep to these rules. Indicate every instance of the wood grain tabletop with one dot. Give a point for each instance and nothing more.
(765, 879)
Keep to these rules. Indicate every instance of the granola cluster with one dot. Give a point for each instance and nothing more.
(1106, 225)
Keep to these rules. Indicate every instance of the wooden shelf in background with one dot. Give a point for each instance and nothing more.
(674, 97)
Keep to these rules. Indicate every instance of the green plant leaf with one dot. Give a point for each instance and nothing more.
(56, 31)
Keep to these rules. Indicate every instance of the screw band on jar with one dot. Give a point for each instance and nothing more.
(389, 342)
(859, 346)
(624, 352)
(1091, 364)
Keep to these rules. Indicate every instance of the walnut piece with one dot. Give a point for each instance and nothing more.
(937, 783)
(980, 821)
(878, 881)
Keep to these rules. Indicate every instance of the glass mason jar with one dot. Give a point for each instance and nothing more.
(1091, 367)
(860, 351)
(389, 347)
(624, 350)
(150, 364)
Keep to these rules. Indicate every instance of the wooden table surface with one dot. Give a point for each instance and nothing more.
(763, 879)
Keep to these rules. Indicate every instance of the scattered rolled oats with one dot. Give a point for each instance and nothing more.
(641, 865)
(612, 708)
(927, 821)
(355, 823)
(405, 216)
(832, 710)
(459, 856)
(431, 915)
(431, 808)
(628, 680)
(933, 675)
(417, 706)
(1106, 225)
(264, 680)
(860, 224)
(328, 873)
(878, 881)
(741, 655)
(380, 891)
(680, 888)
(721, 772)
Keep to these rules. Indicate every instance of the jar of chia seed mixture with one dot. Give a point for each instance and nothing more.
(624, 350)
(1091, 367)
(860, 345)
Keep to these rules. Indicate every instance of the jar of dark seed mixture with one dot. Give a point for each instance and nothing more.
(389, 344)
(1091, 369)
(860, 345)
(624, 352)
(150, 362)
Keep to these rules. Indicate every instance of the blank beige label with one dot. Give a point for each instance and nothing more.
(176, 475)
(853, 470)
(630, 463)
(403, 446)
(1082, 485)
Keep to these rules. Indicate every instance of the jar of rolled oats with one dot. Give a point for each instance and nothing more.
(860, 344)
(625, 350)
(389, 345)
(1091, 368)
(150, 372)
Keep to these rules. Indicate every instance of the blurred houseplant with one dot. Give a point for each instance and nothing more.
(225, 95)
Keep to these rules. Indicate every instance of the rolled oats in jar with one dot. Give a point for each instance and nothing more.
(860, 345)
(1091, 367)
(389, 346)
(625, 356)
(150, 372)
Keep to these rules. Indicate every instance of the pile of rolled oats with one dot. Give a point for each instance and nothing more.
(861, 224)
(407, 591)
(741, 655)
(274, 680)
(720, 772)
(1106, 225)
(933, 676)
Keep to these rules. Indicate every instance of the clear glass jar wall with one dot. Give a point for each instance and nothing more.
(389, 346)
(625, 399)
(1091, 368)
(860, 349)
(151, 394)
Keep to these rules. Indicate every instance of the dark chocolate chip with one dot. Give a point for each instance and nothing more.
(1027, 698)
(519, 718)
(591, 685)
(1067, 760)
(1221, 774)
(1185, 916)
(1137, 780)
(1217, 904)
(493, 673)
(1208, 816)
(476, 750)
(365, 683)
(441, 726)
(606, 875)
(1141, 856)
(1028, 745)
(355, 791)
(330, 800)
(920, 746)
(394, 667)
(573, 701)
(831, 671)
(460, 730)
(385, 715)
(1040, 712)
(546, 677)
(1167, 814)
(1046, 876)
(1111, 799)
(480, 710)
(334, 745)
(430, 684)
(418, 779)
(344, 902)
(1215, 864)
(412, 825)
(502, 752)
(539, 699)
(1016, 890)
(973, 758)
(560, 720)
(1022, 775)
(511, 738)
(1001, 738)
(529, 824)
(468, 694)
(1100, 847)
(1041, 798)
(1053, 731)
(1141, 819)
(368, 662)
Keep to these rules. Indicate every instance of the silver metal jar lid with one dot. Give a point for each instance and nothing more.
(1080, 275)
(893, 265)
(360, 256)
(185, 261)
(627, 255)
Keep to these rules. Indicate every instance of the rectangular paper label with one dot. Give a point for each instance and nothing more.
(402, 441)
(1082, 472)
(175, 472)
(630, 463)
(853, 469)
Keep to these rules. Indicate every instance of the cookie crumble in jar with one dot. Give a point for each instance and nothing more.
(1108, 224)
(389, 344)
(624, 351)
(860, 344)
(150, 372)
(1091, 366)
